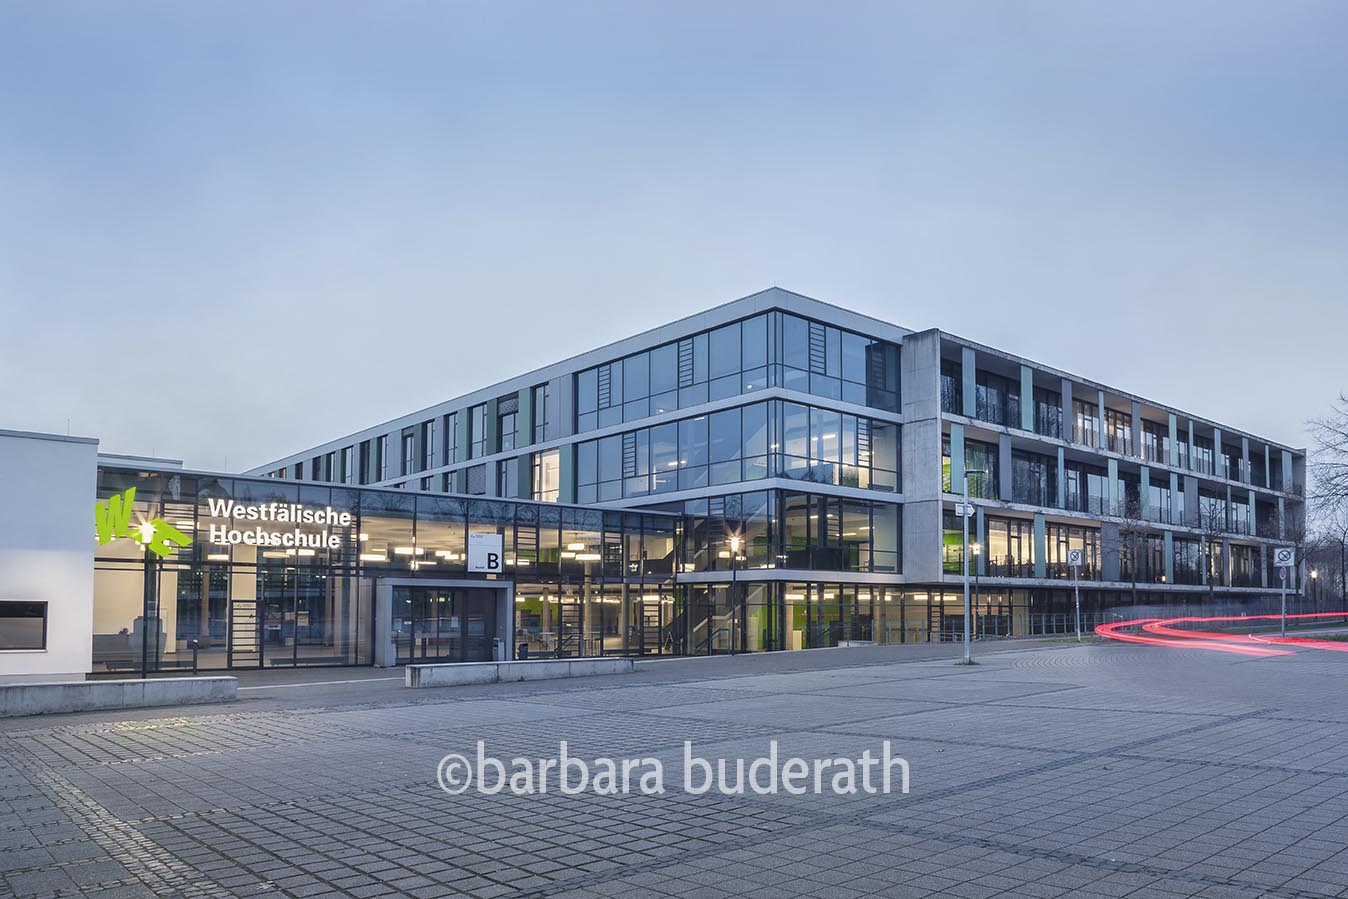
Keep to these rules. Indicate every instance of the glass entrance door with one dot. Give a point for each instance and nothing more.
(442, 624)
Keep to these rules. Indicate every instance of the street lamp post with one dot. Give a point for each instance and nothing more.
(1315, 589)
(968, 608)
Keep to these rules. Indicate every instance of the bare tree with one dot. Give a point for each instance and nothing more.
(1289, 529)
(1134, 536)
(1333, 531)
(1330, 458)
(1212, 529)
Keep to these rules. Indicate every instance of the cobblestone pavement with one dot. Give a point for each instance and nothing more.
(1047, 770)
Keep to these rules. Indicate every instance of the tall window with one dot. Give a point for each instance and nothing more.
(1201, 455)
(998, 399)
(980, 456)
(1155, 442)
(382, 461)
(547, 475)
(952, 387)
(1060, 538)
(1034, 479)
(477, 431)
(408, 452)
(507, 478)
(540, 413)
(1085, 424)
(451, 429)
(1119, 430)
(348, 465)
(1047, 412)
(428, 445)
(1010, 548)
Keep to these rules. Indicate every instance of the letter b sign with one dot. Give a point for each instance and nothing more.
(485, 552)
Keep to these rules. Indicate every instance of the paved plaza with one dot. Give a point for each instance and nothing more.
(1050, 769)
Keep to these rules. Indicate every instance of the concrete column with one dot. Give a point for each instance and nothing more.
(566, 464)
(1040, 546)
(1144, 493)
(1190, 500)
(1226, 563)
(1282, 514)
(1254, 522)
(460, 480)
(562, 406)
(1287, 474)
(969, 373)
(1062, 480)
(1169, 538)
(524, 476)
(462, 437)
(1268, 466)
(1004, 467)
(1191, 445)
(1027, 398)
(956, 457)
(1109, 550)
(385, 653)
(1114, 498)
(1176, 501)
(1245, 460)
(524, 419)
(1263, 566)
(1217, 450)
(1067, 418)
(493, 444)
(1135, 449)
(1100, 416)
(1172, 457)
(980, 529)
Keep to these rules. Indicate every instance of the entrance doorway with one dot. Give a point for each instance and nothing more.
(443, 624)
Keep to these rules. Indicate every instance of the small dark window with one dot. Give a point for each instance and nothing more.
(23, 625)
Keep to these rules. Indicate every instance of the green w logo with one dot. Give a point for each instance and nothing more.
(112, 519)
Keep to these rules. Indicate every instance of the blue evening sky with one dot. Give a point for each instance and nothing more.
(229, 231)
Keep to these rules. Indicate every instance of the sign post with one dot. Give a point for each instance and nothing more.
(965, 511)
(1074, 561)
(1284, 557)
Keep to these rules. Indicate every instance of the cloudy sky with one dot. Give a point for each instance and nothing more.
(231, 230)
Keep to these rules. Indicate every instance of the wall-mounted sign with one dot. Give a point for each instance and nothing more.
(486, 553)
(1284, 556)
(112, 519)
(268, 515)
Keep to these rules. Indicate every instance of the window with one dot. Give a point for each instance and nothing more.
(508, 428)
(348, 465)
(451, 428)
(428, 445)
(836, 448)
(507, 478)
(408, 455)
(541, 413)
(477, 432)
(1155, 442)
(736, 359)
(1009, 550)
(547, 476)
(381, 463)
(363, 463)
(1047, 412)
(1086, 488)
(998, 399)
(1060, 538)
(952, 387)
(1034, 479)
(1201, 457)
(1085, 424)
(1119, 431)
(1158, 503)
(980, 457)
(23, 625)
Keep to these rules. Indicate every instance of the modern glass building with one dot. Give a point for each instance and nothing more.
(804, 463)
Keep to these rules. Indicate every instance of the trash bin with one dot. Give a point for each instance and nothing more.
(522, 653)
(498, 650)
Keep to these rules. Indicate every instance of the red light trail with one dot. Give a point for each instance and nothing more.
(1159, 632)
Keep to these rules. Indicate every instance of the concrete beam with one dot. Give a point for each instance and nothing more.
(102, 695)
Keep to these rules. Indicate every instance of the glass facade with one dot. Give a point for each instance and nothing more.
(280, 574)
(775, 349)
